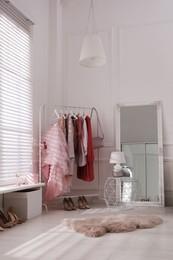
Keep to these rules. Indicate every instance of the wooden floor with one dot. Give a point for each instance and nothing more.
(45, 238)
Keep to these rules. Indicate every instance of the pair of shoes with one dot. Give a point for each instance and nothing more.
(12, 216)
(71, 203)
(68, 204)
(4, 223)
(83, 203)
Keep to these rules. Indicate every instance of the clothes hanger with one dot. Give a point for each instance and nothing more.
(55, 114)
(73, 114)
(83, 114)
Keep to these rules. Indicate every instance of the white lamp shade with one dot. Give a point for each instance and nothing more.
(117, 157)
(92, 53)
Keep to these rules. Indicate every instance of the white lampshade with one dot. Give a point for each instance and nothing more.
(117, 157)
(92, 53)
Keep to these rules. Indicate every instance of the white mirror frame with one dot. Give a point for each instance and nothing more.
(161, 201)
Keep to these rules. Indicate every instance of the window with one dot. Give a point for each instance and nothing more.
(15, 94)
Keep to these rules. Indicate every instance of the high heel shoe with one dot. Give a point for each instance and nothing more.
(1, 229)
(4, 223)
(81, 203)
(87, 206)
(5, 220)
(12, 216)
(66, 205)
(70, 201)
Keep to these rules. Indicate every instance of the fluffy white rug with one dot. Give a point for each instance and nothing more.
(98, 226)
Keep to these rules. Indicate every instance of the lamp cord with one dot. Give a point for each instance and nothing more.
(91, 11)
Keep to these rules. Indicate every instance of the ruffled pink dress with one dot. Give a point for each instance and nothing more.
(55, 163)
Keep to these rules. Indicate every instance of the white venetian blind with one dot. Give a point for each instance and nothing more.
(15, 93)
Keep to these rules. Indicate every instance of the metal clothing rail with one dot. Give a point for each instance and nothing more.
(46, 112)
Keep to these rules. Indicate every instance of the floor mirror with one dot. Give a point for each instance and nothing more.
(139, 136)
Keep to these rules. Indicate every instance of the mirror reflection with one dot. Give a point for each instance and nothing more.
(140, 138)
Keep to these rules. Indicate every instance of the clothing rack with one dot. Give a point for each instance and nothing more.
(46, 114)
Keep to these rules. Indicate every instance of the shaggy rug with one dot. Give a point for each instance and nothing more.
(98, 226)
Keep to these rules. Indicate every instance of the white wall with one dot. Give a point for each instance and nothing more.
(138, 39)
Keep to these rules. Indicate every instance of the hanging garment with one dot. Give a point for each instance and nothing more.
(86, 172)
(55, 163)
(80, 153)
(70, 143)
(85, 137)
(61, 122)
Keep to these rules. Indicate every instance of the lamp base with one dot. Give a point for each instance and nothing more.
(117, 170)
(117, 174)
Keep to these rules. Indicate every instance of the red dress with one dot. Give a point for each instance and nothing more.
(86, 172)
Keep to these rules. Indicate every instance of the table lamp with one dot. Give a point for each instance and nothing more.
(117, 158)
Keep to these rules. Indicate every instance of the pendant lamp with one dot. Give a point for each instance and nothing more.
(92, 52)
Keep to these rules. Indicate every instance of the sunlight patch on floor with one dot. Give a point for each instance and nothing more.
(43, 243)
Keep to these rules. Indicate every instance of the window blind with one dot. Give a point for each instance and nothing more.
(15, 94)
